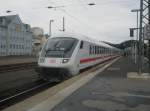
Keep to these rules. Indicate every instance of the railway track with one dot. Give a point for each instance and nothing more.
(21, 95)
(16, 67)
(23, 92)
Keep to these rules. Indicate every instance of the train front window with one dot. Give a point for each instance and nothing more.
(60, 47)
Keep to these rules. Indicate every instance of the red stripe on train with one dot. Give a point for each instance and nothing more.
(89, 59)
(85, 60)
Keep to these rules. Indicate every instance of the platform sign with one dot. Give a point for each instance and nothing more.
(147, 32)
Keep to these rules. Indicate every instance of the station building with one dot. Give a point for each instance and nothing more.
(15, 36)
(39, 38)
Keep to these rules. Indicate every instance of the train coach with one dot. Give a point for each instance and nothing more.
(66, 54)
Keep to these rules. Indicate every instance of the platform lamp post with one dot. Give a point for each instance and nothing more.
(63, 27)
(50, 27)
(135, 44)
(140, 38)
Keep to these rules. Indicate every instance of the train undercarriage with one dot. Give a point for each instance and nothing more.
(54, 74)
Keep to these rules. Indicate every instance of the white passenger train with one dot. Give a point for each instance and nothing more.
(67, 54)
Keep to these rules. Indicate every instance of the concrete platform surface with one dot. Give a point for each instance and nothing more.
(110, 91)
(136, 75)
(16, 60)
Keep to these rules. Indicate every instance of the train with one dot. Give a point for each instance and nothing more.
(66, 54)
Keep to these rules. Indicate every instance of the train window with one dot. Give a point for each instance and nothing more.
(102, 50)
(81, 45)
(96, 49)
(93, 51)
(90, 50)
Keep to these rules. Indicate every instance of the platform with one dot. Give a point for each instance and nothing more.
(10, 60)
(108, 90)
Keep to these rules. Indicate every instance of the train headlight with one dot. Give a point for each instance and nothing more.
(65, 60)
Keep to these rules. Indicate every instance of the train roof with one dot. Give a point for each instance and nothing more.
(82, 37)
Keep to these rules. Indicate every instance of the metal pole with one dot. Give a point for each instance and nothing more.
(137, 25)
(136, 44)
(50, 28)
(140, 38)
(7, 42)
(149, 40)
(63, 24)
(148, 11)
(132, 50)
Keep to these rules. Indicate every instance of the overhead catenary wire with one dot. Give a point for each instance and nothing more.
(76, 19)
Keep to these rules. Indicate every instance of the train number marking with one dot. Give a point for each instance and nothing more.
(52, 61)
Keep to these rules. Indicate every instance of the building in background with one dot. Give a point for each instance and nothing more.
(15, 36)
(38, 39)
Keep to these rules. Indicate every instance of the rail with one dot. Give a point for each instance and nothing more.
(16, 67)
(19, 96)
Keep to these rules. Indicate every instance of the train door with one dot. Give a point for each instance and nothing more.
(83, 54)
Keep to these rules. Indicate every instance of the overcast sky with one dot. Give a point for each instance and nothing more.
(108, 20)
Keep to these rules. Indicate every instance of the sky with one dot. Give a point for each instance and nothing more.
(107, 20)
